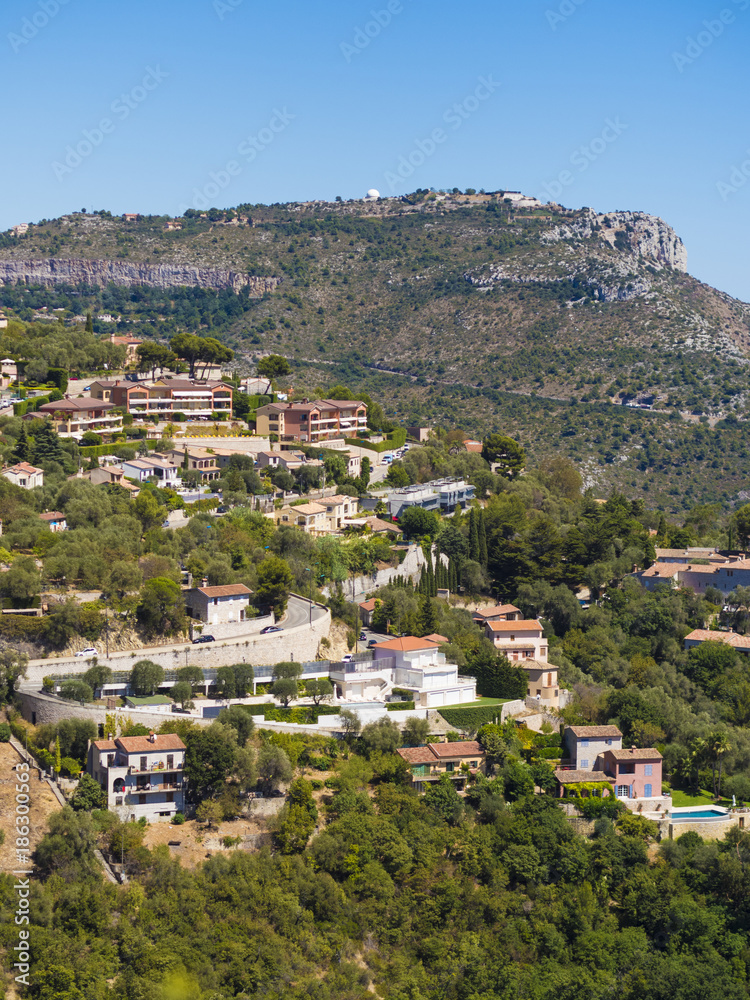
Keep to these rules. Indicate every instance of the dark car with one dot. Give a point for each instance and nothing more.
(270, 628)
(222, 510)
(362, 636)
(371, 643)
(203, 638)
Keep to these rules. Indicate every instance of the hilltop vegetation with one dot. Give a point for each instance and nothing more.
(493, 318)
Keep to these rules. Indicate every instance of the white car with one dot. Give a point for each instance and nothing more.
(88, 651)
(347, 658)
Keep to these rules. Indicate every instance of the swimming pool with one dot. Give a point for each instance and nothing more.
(707, 813)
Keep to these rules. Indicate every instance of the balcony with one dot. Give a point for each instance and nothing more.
(154, 769)
(145, 789)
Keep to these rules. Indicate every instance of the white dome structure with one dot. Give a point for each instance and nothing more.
(372, 195)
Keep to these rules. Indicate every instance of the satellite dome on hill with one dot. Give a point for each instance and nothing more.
(372, 195)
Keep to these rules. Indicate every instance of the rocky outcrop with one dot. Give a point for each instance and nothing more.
(108, 272)
(632, 232)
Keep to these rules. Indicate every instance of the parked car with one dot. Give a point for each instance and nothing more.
(371, 643)
(270, 628)
(88, 651)
(203, 638)
(222, 510)
(362, 636)
(347, 658)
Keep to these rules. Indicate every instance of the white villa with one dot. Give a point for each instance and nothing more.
(142, 775)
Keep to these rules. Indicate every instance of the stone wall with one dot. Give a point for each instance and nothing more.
(230, 630)
(299, 643)
(710, 830)
(355, 587)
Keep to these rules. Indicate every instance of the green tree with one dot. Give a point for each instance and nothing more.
(161, 607)
(382, 736)
(193, 676)
(187, 347)
(148, 510)
(274, 767)
(415, 731)
(274, 366)
(13, 666)
(47, 448)
(88, 795)
(22, 582)
(145, 678)
(226, 686)
(397, 475)
(241, 719)
(275, 580)
(22, 450)
(209, 812)
(442, 798)
(67, 850)
(506, 453)
(244, 675)
(152, 356)
(182, 695)
(416, 522)
(319, 690)
(209, 759)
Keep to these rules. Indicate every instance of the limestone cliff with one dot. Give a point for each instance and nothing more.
(105, 272)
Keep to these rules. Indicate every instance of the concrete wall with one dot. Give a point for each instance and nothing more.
(710, 830)
(299, 643)
(230, 630)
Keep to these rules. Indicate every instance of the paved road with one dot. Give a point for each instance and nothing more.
(298, 613)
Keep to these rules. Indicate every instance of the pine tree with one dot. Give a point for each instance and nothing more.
(473, 536)
(89, 323)
(429, 621)
(47, 447)
(22, 450)
(482, 532)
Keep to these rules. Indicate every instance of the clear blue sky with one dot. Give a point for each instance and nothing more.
(303, 106)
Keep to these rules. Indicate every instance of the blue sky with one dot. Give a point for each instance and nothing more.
(147, 106)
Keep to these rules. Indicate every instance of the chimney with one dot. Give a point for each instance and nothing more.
(204, 581)
(152, 736)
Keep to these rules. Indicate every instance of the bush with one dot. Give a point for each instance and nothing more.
(400, 706)
(594, 807)
(5, 733)
(76, 691)
(178, 819)
(470, 719)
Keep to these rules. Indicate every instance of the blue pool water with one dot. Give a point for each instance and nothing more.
(698, 814)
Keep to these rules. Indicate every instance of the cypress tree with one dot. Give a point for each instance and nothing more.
(473, 536)
(482, 532)
(47, 446)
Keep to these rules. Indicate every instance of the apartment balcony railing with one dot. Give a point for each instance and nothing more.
(143, 789)
(154, 768)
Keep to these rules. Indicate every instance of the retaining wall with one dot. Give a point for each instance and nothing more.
(411, 567)
(709, 830)
(299, 643)
(230, 630)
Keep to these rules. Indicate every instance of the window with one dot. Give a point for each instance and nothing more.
(143, 765)
(472, 763)
(170, 796)
(512, 638)
(584, 743)
(110, 759)
(170, 760)
(450, 767)
(623, 792)
(141, 800)
(584, 765)
(648, 770)
(627, 768)
(608, 742)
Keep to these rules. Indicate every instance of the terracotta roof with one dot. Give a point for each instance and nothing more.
(441, 751)
(368, 605)
(76, 405)
(635, 754)
(23, 467)
(594, 732)
(523, 625)
(417, 755)
(462, 748)
(728, 638)
(574, 777)
(104, 744)
(378, 524)
(143, 744)
(229, 590)
(53, 515)
(437, 638)
(692, 553)
(499, 609)
(407, 644)
(306, 509)
(665, 570)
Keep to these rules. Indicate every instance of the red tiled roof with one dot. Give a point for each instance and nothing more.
(594, 732)
(229, 590)
(500, 609)
(54, 515)
(635, 754)
(417, 755)
(104, 744)
(407, 644)
(368, 605)
(436, 638)
(462, 748)
(574, 777)
(518, 626)
(143, 744)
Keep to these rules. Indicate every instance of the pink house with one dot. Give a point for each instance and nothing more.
(636, 773)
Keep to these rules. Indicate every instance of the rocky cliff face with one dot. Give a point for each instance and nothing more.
(106, 272)
(633, 232)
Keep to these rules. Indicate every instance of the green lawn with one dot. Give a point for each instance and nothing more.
(479, 703)
(681, 799)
